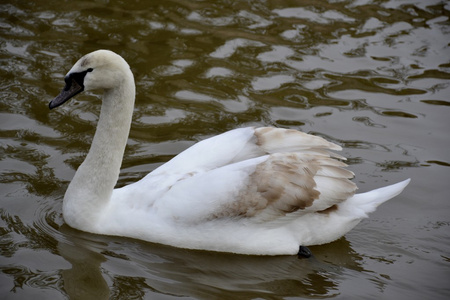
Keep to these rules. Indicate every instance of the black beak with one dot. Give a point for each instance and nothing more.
(74, 85)
(71, 89)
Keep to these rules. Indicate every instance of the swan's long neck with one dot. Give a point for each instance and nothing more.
(90, 190)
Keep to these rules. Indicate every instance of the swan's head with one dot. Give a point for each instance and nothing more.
(101, 69)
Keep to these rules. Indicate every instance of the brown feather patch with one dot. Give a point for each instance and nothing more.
(298, 175)
(283, 184)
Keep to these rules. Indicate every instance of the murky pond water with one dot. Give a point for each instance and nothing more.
(372, 76)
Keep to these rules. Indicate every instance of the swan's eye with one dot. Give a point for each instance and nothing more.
(78, 77)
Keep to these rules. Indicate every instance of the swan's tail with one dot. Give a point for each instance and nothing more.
(367, 202)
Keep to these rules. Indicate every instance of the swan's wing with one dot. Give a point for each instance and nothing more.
(266, 188)
(241, 144)
(225, 165)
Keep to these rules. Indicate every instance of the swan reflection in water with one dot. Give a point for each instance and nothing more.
(106, 267)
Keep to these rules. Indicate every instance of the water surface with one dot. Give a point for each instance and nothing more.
(372, 76)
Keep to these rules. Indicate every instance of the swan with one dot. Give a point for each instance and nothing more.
(256, 191)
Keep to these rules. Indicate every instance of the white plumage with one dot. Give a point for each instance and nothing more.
(259, 191)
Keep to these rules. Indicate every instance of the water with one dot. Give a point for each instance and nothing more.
(372, 76)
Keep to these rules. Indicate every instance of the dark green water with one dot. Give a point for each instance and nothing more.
(372, 76)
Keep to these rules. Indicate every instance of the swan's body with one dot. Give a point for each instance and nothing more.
(251, 190)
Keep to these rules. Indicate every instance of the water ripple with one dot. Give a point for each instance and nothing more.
(372, 77)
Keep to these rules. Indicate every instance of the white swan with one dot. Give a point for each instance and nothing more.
(263, 191)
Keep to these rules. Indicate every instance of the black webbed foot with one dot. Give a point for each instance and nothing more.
(303, 251)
